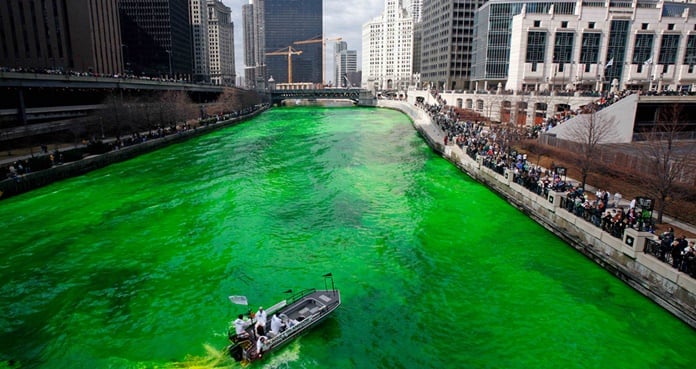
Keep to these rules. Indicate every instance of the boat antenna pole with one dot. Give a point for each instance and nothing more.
(329, 275)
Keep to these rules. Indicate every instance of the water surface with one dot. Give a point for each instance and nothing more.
(130, 266)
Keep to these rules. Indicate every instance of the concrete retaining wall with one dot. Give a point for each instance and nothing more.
(673, 290)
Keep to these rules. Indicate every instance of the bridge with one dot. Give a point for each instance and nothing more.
(36, 97)
(358, 96)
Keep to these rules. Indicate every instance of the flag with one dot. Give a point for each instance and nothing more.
(239, 300)
(611, 62)
(649, 61)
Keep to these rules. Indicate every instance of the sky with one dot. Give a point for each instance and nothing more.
(342, 18)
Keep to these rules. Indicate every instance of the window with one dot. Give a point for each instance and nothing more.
(589, 52)
(536, 44)
(591, 25)
(642, 49)
(644, 26)
(690, 54)
(563, 47)
(537, 23)
(668, 49)
(564, 24)
(670, 26)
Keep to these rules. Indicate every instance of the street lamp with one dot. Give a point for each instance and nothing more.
(169, 55)
(124, 47)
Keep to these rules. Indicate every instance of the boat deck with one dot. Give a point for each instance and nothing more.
(307, 309)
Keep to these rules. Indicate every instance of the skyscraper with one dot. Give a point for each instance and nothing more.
(78, 35)
(221, 40)
(289, 21)
(253, 26)
(388, 49)
(157, 36)
(447, 42)
(345, 62)
(198, 13)
(414, 8)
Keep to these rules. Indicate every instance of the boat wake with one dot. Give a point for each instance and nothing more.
(283, 358)
(215, 358)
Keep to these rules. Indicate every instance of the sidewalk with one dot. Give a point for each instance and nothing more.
(434, 131)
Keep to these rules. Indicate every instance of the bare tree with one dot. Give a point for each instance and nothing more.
(666, 159)
(589, 131)
(174, 106)
(113, 117)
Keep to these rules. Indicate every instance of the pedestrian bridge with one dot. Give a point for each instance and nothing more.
(358, 96)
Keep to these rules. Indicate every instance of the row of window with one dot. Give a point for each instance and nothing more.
(590, 47)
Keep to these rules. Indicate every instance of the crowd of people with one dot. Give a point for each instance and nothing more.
(491, 145)
(66, 72)
(677, 251)
(604, 100)
(45, 159)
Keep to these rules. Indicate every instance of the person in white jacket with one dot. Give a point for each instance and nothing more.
(261, 318)
(276, 325)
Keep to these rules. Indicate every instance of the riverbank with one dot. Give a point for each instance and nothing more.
(29, 181)
(623, 257)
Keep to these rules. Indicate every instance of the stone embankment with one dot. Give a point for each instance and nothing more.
(27, 182)
(624, 258)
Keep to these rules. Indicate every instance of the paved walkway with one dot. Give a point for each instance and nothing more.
(423, 120)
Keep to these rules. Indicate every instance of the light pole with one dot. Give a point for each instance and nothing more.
(124, 48)
(169, 55)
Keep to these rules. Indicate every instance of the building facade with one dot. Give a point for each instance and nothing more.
(221, 40)
(592, 46)
(248, 40)
(388, 49)
(157, 37)
(198, 13)
(345, 62)
(75, 35)
(447, 37)
(414, 8)
(254, 44)
(285, 23)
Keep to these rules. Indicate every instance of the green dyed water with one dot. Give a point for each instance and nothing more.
(130, 266)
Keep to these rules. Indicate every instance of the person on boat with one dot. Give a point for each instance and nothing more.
(276, 325)
(261, 318)
(287, 322)
(261, 345)
(240, 326)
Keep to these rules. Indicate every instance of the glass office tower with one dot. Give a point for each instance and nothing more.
(287, 22)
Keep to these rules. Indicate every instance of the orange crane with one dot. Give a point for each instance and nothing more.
(323, 51)
(289, 53)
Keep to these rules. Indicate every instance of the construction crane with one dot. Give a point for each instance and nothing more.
(289, 53)
(323, 51)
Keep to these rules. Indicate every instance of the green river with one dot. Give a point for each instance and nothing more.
(131, 266)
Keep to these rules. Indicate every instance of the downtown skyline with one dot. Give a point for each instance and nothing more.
(339, 21)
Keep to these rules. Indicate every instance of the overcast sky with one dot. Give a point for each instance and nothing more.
(342, 18)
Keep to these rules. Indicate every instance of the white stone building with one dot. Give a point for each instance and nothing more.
(388, 49)
(567, 45)
(221, 43)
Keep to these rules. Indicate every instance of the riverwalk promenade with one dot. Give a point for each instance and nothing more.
(27, 179)
(626, 257)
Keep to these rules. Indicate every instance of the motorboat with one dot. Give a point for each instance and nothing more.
(293, 317)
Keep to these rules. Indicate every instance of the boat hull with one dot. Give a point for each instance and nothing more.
(304, 311)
